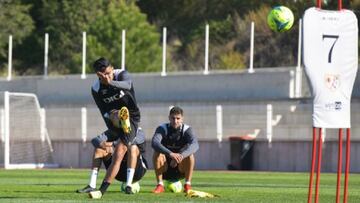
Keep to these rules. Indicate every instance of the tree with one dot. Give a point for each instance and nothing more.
(185, 20)
(143, 52)
(229, 23)
(29, 20)
(65, 21)
(15, 20)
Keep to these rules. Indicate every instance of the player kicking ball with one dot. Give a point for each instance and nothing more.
(114, 95)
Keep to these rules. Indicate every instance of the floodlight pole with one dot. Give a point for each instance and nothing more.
(163, 72)
(10, 58)
(123, 35)
(206, 69)
(46, 53)
(251, 66)
(83, 74)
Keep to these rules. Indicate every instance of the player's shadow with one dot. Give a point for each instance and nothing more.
(5, 197)
(32, 191)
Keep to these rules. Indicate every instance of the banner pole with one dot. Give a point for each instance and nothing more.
(313, 157)
(318, 4)
(347, 164)
(339, 4)
(339, 167)
(318, 172)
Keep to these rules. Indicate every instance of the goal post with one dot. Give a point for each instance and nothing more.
(27, 144)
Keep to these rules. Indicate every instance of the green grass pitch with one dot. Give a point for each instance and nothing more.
(59, 185)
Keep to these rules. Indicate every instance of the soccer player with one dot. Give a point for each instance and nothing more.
(114, 95)
(104, 148)
(174, 146)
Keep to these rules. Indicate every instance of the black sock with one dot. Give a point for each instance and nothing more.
(104, 186)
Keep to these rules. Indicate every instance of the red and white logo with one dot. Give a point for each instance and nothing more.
(332, 82)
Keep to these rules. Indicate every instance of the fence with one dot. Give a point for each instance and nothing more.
(297, 73)
(283, 135)
(281, 120)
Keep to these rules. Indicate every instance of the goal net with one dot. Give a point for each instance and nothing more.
(26, 140)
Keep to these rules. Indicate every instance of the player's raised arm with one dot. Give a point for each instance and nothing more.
(122, 80)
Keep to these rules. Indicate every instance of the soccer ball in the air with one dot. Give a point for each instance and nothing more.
(174, 186)
(280, 19)
(135, 187)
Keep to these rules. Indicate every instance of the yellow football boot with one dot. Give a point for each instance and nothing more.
(124, 118)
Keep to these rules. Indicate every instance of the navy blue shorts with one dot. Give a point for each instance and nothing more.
(172, 173)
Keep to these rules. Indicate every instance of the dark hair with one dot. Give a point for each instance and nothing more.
(176, 110)
(101, 64)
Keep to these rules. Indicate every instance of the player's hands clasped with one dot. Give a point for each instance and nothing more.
(176, 157)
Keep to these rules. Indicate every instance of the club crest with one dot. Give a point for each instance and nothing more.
(332, 82)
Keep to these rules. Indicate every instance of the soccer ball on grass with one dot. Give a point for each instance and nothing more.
(135, 187)
(174, 186)
(280, 19)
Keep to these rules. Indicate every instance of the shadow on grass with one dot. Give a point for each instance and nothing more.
(5, 197)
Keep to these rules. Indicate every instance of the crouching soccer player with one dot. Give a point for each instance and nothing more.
(104, 148)
(174, 144)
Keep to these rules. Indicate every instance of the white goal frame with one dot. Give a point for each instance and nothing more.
(44, 136)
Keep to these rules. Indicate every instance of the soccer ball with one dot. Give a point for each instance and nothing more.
(135, 187)
(280, 19)
(174, 186)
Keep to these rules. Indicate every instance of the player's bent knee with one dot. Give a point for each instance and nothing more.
(162, 157)
(189, 159)
(119, 153)
(100, 153)
(156, 155)
(134, 150)
(187, 164)
(159, 159)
